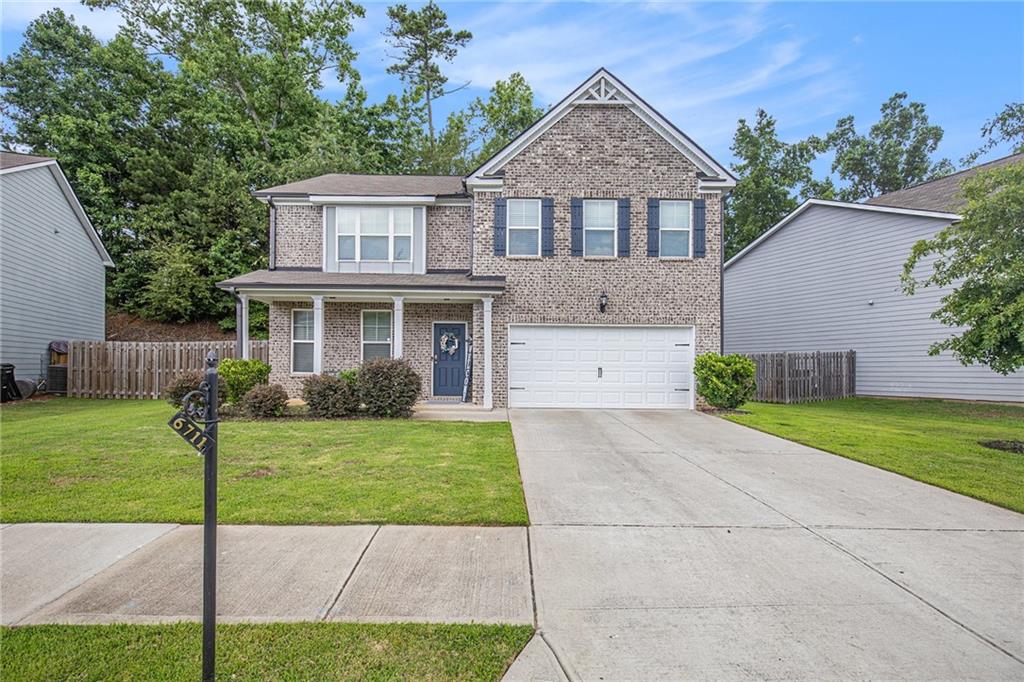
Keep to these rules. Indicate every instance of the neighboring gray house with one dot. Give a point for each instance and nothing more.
(827, 277)
(52, 263)
(582, 261)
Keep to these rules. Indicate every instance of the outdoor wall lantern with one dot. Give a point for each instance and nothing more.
(602, 302)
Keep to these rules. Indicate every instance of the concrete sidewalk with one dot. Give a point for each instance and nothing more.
(152, 573)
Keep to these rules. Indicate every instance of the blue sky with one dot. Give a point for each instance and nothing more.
(706, 65)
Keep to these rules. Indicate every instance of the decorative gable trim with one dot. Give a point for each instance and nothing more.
(602, 88)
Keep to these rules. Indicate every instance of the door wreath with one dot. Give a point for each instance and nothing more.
(449, 343)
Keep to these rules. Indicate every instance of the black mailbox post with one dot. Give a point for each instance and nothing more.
(201, 405)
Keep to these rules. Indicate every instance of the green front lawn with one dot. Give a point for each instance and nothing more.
(112, 460)
(281, 651)
(934, 441)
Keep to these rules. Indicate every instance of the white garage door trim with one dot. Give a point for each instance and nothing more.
(641, 366)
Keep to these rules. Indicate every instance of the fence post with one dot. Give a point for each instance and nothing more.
(785, 377)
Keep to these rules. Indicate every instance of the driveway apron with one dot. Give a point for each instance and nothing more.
(675, 545)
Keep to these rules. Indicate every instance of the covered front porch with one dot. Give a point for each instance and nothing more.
(440, 324)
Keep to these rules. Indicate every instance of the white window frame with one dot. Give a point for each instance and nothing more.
(359, 233)
(509, 228)
(614, 229)
(662, 230)
(362, 332)
(291, 346)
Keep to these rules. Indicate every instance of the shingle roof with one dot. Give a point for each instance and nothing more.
(942, 194)
(343, 184)
(317, 279)
(15, 159)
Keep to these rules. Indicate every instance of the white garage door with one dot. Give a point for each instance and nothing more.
(605, 367)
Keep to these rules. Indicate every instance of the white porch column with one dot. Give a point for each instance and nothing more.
(243, 326)
(318, 334)
(488, 355)
(399, 320)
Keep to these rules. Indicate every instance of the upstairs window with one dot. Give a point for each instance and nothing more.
(302, 341)
(675, 229)
(376, 334)
(523, 227)
(599, 228)
(378, 234)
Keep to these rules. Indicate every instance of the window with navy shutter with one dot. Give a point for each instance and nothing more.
(699, 217)
(623, 228)
(675, 222)
(547, 227)
(576, 227)
(499, 226)
(653, 225)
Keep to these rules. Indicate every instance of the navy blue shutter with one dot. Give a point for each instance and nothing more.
(698, 228)
(652, 228)
(623, 228)
(576, 227)
(500, 222)
(547, 227)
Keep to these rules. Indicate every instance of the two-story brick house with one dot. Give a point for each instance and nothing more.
(578, 267)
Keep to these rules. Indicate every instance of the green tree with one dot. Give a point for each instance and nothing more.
(423, 40)
(896, 152)
(177, 284)
(771, 173)
(982, 256)
(1005, 127)
(508, 111)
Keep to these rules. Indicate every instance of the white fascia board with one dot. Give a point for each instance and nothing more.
(266, 294)
(941, 215)
(635, 104)
(391, 200)
(28, 166)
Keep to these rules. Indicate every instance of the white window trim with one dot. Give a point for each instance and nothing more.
(359, 234)
(675, 229)
(509, 228)
(291, 346)
(614, 229)
(362, 332)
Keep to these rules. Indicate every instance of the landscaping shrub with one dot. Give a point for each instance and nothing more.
(329, 397)
(388, 387)
(181, 385)
(237, 377)
(725, 381)
(351, 376)
(264, 401)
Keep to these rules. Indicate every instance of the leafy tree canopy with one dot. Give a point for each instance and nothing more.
(983, 257)
(1006, 126)
(896, 153)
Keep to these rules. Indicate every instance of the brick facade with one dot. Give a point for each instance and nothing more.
(343, 341)
(448, 240)
(598, 151)
(300, 236)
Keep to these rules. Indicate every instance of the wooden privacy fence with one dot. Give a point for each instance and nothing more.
(141, 369)
(804, 377)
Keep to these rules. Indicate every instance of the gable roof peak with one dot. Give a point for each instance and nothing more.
(603, 87)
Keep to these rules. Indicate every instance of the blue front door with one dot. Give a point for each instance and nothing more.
(449, 358)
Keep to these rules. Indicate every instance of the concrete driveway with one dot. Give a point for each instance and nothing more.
(673, 545)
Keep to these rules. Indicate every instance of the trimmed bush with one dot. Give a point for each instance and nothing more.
(388, 387)
(185, 383)
(237, 377)
(329, 397)
(264, 401)
(725, 381)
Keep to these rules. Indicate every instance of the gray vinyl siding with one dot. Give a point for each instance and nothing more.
(807, 287)
(51, 275)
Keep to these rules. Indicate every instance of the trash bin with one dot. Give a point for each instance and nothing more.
(8, 387)
(57, 370)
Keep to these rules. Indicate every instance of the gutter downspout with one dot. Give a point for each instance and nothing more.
(272, 257)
